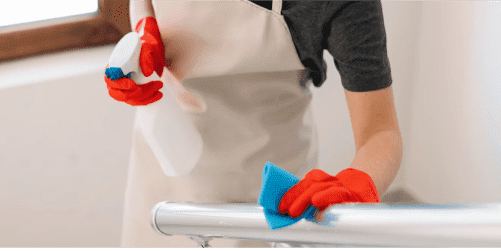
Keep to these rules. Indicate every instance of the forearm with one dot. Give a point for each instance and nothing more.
(380, 157)
(140, 9)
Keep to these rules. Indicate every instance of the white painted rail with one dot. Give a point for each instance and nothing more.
(404, 225)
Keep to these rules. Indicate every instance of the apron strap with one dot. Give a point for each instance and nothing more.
(277, 6)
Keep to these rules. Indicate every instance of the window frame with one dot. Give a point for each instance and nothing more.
(108, 26)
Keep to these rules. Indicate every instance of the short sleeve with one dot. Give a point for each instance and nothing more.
(356, 40)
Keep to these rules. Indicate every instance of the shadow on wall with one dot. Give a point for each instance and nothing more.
(400, 196)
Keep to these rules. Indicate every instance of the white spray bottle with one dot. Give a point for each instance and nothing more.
(173, 138)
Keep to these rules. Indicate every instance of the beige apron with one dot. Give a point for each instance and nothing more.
(240, 59)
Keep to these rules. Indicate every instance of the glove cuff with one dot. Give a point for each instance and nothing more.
(360, 184)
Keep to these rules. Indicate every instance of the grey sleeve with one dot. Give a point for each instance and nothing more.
(357, 40)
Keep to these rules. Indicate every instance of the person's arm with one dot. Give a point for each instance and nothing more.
(378, 156)
(140, 9)
(357, 41)
(378, 139)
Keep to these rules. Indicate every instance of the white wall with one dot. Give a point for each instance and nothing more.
(64, 143)
(454, 147)
(64, 150)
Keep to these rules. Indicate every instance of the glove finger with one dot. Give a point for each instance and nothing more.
(146, 60)
(149, 89)
(304, 200)
(333, 195)
(116, 94)
(154, 98)
(123, 83)
(360, 184)
(152, 56)
(151, 60)
(319, 175)
(156, 49)
(148, 94)
(123, 95)
(292, 194)
(158, 62)
(159, 59)
(159, 66)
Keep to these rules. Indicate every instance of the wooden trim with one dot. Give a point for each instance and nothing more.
(107, 27)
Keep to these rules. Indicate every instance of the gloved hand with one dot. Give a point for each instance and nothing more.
(322, 190)
(152, 56)
(126, 90)
(152, 59)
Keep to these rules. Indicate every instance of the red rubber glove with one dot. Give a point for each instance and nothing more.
(322, 190)
(152, 58)
(126, 90)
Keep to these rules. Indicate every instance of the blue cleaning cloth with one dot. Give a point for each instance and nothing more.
(276, 182)
(115, 73)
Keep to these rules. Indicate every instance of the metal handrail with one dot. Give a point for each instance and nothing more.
(404, 225)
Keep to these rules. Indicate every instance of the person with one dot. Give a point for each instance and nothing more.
(252, 63)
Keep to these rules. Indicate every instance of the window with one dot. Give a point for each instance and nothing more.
(74, 24)
(23, 11)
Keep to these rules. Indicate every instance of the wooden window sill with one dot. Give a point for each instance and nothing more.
(107, 27)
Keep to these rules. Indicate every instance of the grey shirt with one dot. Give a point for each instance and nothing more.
(352, 32)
